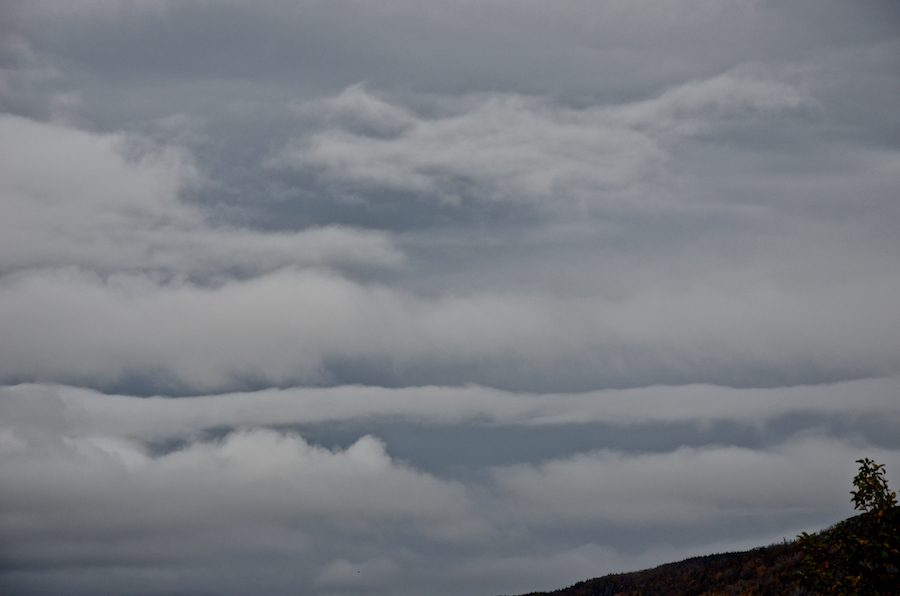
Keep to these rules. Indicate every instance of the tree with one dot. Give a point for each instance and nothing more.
(861, 555)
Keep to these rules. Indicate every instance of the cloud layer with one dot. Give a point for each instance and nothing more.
(106, 263)
(437, 297)
(520, 150)
(111, 496)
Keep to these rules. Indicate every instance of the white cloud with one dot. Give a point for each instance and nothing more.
(686, 487)
(516, 149)
(161, 418)
(287, 326)
(105, 499)
(699, 107)
(74, 198)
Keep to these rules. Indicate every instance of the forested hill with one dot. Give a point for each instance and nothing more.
(767, 571)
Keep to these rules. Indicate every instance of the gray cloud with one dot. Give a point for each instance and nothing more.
(148, 419)
(291, 324)
(514, 149)
(437, 297)
(105, 261)
(76, 199)
(108, 501)
(446, 46)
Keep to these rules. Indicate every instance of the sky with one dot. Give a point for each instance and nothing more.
(442, 297)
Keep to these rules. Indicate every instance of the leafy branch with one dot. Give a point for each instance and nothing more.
(861, 555)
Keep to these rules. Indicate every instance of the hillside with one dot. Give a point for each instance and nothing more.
(767, 571)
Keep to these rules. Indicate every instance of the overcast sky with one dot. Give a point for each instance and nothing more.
(438, 297)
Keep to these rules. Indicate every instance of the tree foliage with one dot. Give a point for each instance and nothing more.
(861, 555)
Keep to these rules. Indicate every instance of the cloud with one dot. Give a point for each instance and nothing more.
(116, 495)
(160, 418)
(437, 297)
(297, 325)
(521, 150)
(677, 487)
(342, 574)
(75, 198)
(535, 572)
(625, 48)
(83, 487)
(111, 274)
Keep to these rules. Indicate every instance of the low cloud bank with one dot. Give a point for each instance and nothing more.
(299, 326)
(87, 485)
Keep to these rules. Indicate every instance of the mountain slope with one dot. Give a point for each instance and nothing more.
(766, 571)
